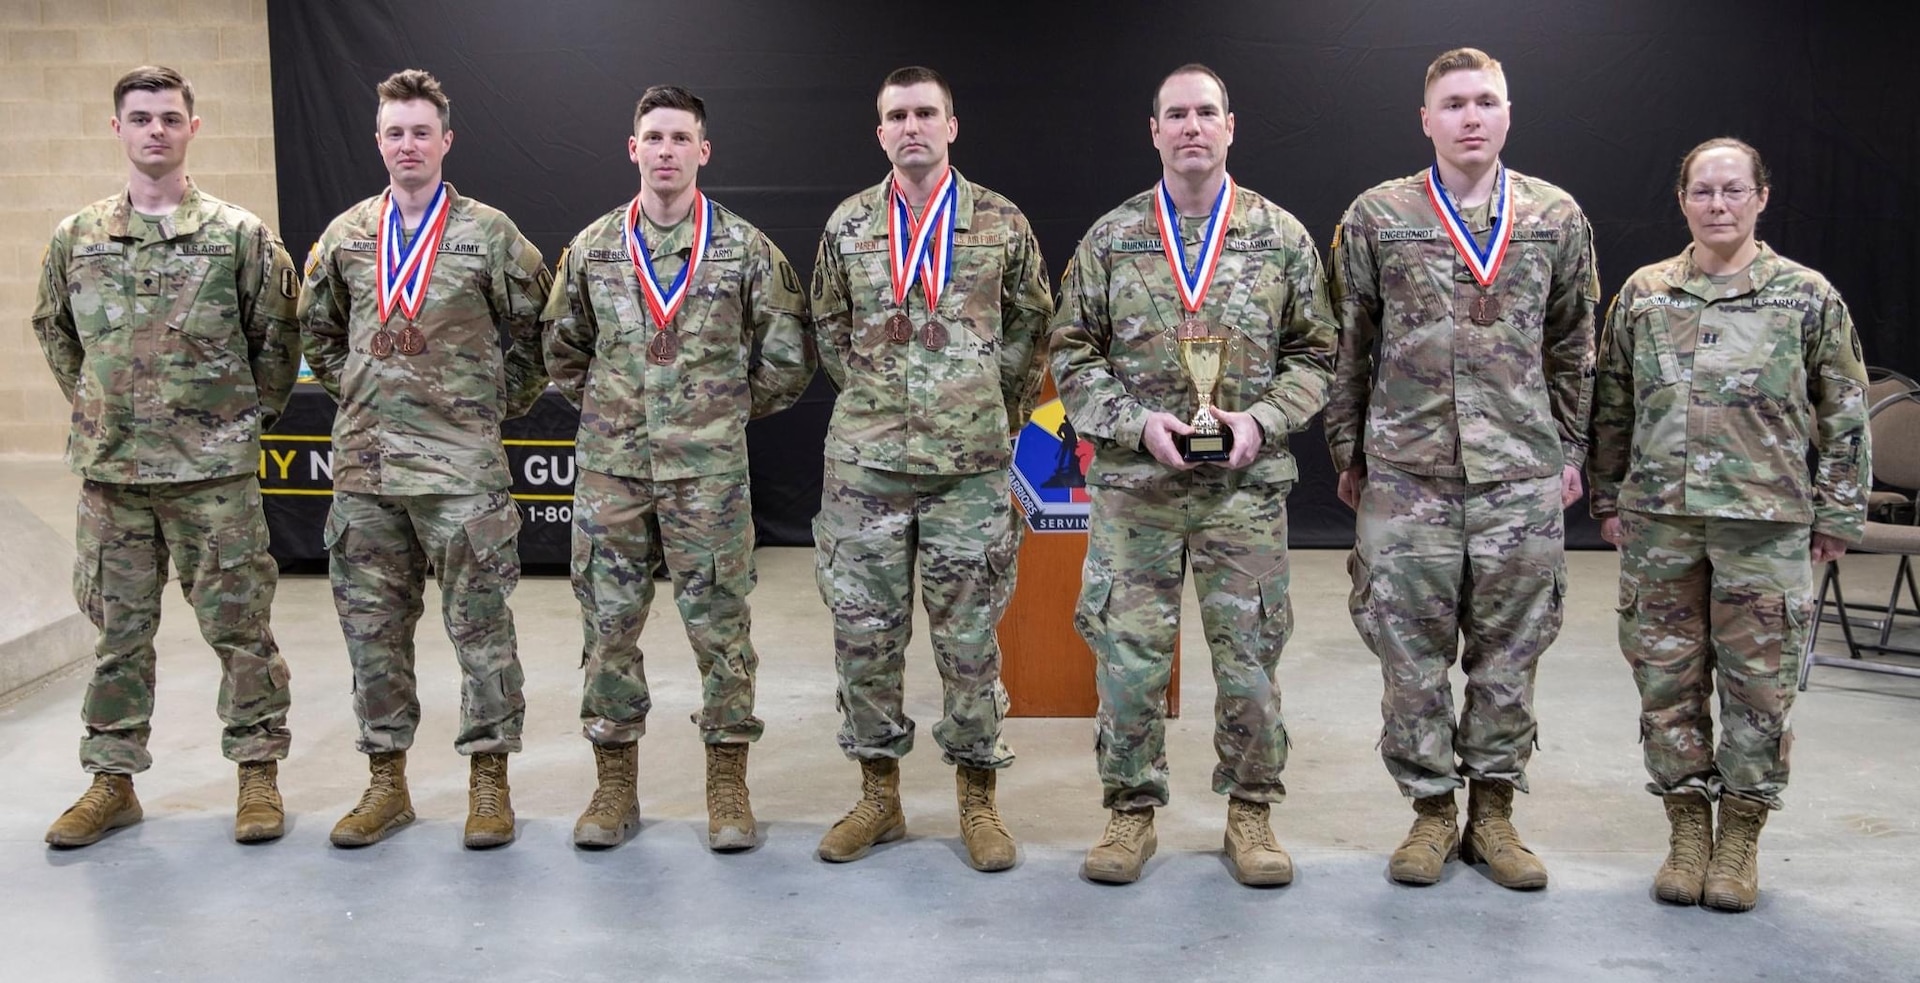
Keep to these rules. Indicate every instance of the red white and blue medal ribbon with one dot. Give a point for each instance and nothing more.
(406, 269)
(1193, 281)
(664, 304)
(922, 249)
(1484, 263)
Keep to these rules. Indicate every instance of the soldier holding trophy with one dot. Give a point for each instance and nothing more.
(1206, 300)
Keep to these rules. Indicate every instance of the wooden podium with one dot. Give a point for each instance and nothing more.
(1046, 666)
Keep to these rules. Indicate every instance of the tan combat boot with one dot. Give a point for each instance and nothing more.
(1253, 855)
(489, 801)
(259, 815)
(989, 845)
(614, 812)
(1733, 875)
(876, 818)
(1433, 840)
(1492, 838)
(384, 807)
(1683, 877)
(730, 824)
(108, 804)
(1123, 849)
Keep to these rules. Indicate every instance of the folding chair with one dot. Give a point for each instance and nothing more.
(1895, 424)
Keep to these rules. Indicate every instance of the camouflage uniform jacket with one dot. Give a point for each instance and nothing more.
(1709, 396)
(905, 408)
(175, 352)
(1420, 385)
(1113, 348)
(743, 348)
(426, 424)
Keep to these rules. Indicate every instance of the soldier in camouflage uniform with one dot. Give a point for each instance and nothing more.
(419, 474)
(166, 314)
(917, 454)
(663, 451)
(1720, 370)
(1116, 355)
(1466, 298)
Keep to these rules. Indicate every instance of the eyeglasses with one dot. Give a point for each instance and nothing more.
(1735, 195)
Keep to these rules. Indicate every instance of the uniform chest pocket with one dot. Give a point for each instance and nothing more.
(619, 311)
(199, 297)
(1751, 352)
(98, 296)
(1408, 293)
(1655, 361)
(973, 298)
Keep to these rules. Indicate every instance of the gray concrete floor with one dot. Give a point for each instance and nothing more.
(174, 898)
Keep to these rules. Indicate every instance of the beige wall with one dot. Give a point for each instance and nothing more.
(58, 63)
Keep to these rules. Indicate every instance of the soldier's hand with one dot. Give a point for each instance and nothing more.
(1570, 487)
(1611, 532)
(1352, 481)
(1826, 549)
(1246, 438)
(1158, 436)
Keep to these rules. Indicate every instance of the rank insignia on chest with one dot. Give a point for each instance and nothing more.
(1709, 338)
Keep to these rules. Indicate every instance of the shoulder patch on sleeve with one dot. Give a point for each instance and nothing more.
(313, 261)
(289, 283)
(789, 279)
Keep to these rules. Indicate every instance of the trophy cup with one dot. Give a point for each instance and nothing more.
(1201, 358)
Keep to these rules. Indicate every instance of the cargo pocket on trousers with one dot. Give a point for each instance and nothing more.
(1797, 610)
(1360, 600)
(1090, 614)
(86, 583)
(823, 550)
(1276, 607)
(335, 531)
(1003, 558)
(492, 538)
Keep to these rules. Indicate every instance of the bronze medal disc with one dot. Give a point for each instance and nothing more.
(933, 335)
(382, 345)
(664, 346)
(899, 329)
(1485, 310)
(411, 341)
(1193, 327)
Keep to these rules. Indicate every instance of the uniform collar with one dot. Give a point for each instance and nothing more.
(371, 220)
(880, 197)
(1685, 275)
(185, 220)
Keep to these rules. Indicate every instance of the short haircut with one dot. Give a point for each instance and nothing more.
(1462, 60)
(670, 97)
(914, 75)
(1191, 68)
(1761, 178)
(409, 84)
(152, 78)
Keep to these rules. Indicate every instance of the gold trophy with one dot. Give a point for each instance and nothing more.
(1201, 357)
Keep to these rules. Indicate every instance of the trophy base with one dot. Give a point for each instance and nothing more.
(1199, 447)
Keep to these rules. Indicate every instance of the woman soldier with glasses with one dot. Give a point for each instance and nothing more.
(1720, 369)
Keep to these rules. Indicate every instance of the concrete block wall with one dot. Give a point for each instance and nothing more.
(58, 63)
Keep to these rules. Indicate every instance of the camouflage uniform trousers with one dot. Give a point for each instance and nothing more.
(703, 527)
(380, 548)
(1140, 543)
(1702, 598)
(1437, 560)
(963, 535)
(216, 534)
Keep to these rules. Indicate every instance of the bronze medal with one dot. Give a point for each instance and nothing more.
(899, 329)
(664, 346)
(1193, 327)
(411, 341)
(934, 336)
(382, 345)
(1484, 310)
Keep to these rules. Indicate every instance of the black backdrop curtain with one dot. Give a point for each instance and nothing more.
(1053, 98)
